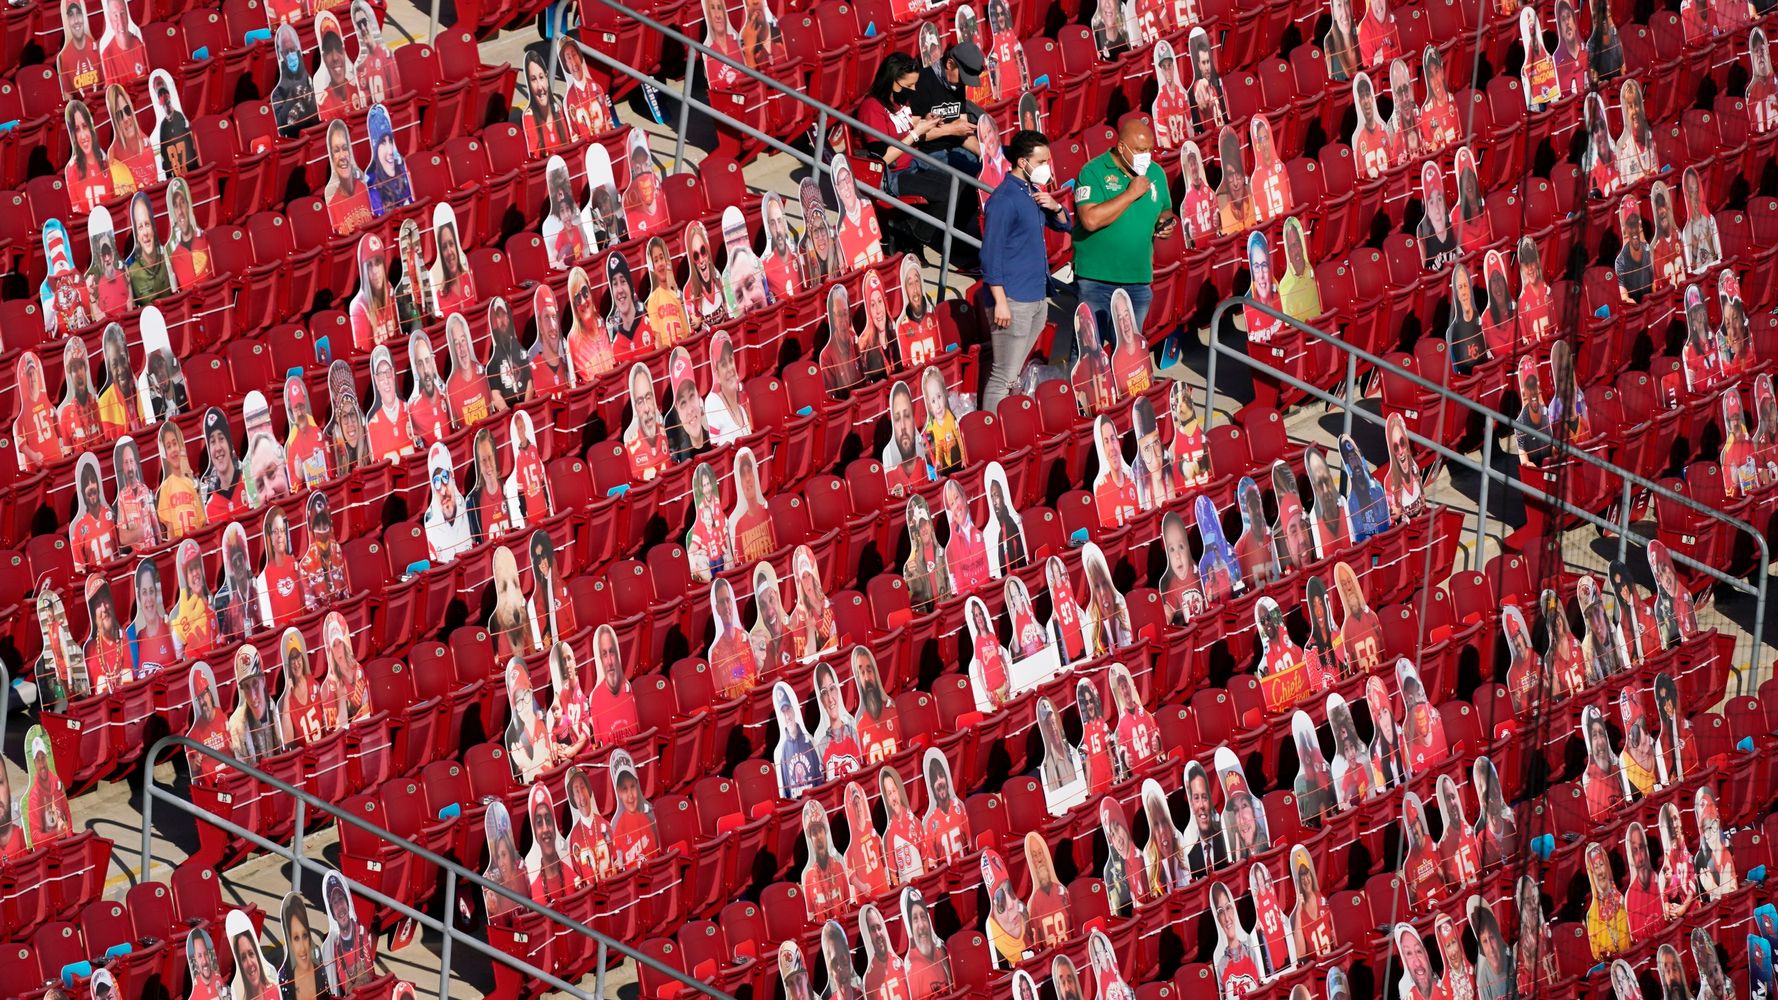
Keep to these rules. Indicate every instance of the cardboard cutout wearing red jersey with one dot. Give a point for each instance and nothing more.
(645, 438)
(1067, 623)
(79, 418)
(989, 676)
(1405, 121)
(1256, 548)
(566, 239)
(1740, 468)
(1269, 183)
(885, 975)
(644, 203)
(751, 535)
(36, 432)
(1124, 874)
(589, 835)
(929, 45)
(1350, 770)
(506, 867)
(526, 492)
(1007, 924)
(1457, 846)
(1679, 874)
(708, 549)
(904, 837)
(1062, 771)
(1237, 959)
(1007, 73)
(1197, 205)
(879, 722)
(1402, 482)
(1181, 596)
(1285, 674)
(1277, 950)
(1374, 145)
(1314, 779)
(92, 534)
(151, 634)
(860, 237)
(1234, 199)
(1171, 111)
(529, 747)
(1600, 161)
(611, 701)
(1114, 488)
(1035, 658)
(1330, 517)
(780, 257)
(1047, 906)
(904, 455)
(264, 466)
(1311, 922)
(549, 866)
(1094, 387)
(836, 738)
(1604, 783)
(735, 671)
(237, 605)
(1762, 84)
(323, 561)
(429, 408)
(947, 824)
(1132, 367)
(928, 962)
(1436, 235)
(1187, 457)
(313, 705)
(109, 662)
(1534, 308)
(796, 760)
(255, 978)
(634, 832)
(1422, 728)
(1458, 979)
(210, 708)
(137, 522)
(453, 285)
(1525, 680)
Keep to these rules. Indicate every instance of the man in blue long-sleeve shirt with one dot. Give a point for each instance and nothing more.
(1015, 266)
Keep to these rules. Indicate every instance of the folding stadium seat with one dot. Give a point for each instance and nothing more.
(105, 924)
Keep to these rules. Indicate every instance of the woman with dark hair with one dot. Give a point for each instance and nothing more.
(888, 109)
(88, 177)
(546, 126)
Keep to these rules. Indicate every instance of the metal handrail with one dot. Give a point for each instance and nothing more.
(293, 853)
(1493, 420)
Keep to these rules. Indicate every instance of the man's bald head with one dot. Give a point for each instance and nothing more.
(1136, 134)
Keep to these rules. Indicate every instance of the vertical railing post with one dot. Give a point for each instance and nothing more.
(296, 848)
(1351, 380)
(599, 972)
(944, 255)
(450, 935)
(815, 151)
(1623, 523)
(1481, 510)
(691, 69)
(1210, 370)
(148, 790)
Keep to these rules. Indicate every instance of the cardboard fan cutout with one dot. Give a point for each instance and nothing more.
(1124, 875)
(266, 468)
(566, 238)
(904, 836)
(66, 302)
(988, 674)
(1154, 481)
(927, 578)
(1181, 597)
(1219, 569)
(1062, 771)
(1314, 780)
(946, 822)
(708, 549)
(1105, 620)
(1237, 960)
(151, 635)
(797, 761)
(1255, 549)
(1187, 456)
(255, 978)
(944, 438)
(1114, 489)
(879, 722)
(1095, 389)
(1366, 500)
(225, 489)
(1007, 924)
(836, 739)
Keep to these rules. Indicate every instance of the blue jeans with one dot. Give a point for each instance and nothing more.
(1097, 296)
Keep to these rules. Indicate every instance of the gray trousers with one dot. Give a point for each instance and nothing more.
(1011, 346)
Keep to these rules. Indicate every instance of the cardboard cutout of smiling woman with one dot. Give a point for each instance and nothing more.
(255, 979)
(1124, 875)
(1062, 771)
(988, 674)
(1237, 959)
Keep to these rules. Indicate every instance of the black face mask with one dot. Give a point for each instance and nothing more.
(901, 97)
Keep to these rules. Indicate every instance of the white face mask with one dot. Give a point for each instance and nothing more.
(1139, 163)
(1041, 174)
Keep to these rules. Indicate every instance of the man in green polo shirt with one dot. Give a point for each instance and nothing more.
(1121, 204)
